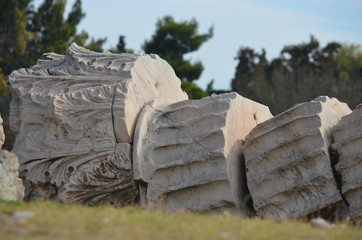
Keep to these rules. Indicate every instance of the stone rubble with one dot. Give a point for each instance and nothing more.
(288, 168)
(187, 154)
(103, 128)
(71, 113)
(9, 171)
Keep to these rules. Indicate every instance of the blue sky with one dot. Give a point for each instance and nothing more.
(269, 24)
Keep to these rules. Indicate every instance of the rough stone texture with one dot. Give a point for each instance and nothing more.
(71, 112)
(289, 172)
(187, 155)
(2, 135)
(109, 177)
(9, 171)
(20, 189)
(347, 153)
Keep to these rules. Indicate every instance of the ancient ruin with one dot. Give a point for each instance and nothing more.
(288, 168)
(103, 128)
(75, 116)
(187, 154)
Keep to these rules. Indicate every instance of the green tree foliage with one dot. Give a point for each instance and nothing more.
(26, 33)
(121, 46)
(301, 73)
(54, 33)
(349, 62)
(192, 90)
(210, 89)
(13, 51)
(13, 22)
(172, 40)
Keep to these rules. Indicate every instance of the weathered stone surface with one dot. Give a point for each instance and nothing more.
(70, 113)
(20, 189)
(9, 171)
(2, 135)
(107, 179)
(347, 154)
(289, 172)
(187, 154)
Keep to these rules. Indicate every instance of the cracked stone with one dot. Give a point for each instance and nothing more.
(347, 135)
(71, 113)
(288, 168)
(187, 155)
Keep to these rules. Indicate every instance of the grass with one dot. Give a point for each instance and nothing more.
(59, 221)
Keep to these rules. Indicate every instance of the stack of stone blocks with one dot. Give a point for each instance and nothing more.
(98, 128)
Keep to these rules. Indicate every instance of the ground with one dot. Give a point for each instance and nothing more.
(45, 220)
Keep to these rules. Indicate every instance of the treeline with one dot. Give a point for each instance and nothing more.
(301, 72)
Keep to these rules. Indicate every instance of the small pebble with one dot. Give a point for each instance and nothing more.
(22, 216)
(319, 223)
(224, 234)
(106, 220)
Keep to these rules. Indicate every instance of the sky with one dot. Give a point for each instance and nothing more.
(268, 24)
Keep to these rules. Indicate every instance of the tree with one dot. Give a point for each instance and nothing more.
(172, 40)
(13, 22)
(54, 33)
(192, 90)
(301, 73)
(250, 74)
(349, 64)
(26, 33)
(121, 46)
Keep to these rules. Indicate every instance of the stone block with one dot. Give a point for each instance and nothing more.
(347, 155)
(9, 172)
(288, 169)
(187, 155)
(72, 111)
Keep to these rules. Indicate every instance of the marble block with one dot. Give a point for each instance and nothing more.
(288, 169)
(187, 155)
(71, 111)
(347, 147)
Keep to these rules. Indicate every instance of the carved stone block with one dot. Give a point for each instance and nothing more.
(289, 172)
(187, 155)
(347, 150)
(70, 113)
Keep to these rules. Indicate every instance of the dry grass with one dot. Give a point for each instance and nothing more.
(57, 221)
